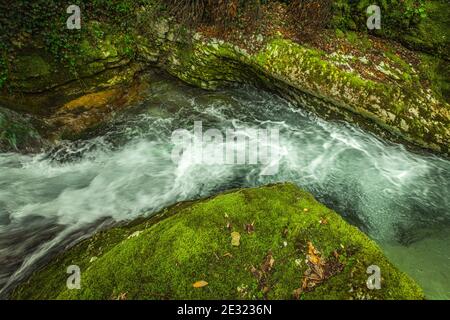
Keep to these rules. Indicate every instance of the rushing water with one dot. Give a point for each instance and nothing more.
(48, 201)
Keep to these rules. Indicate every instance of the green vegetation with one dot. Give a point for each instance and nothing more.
(433, 34)
(437, 73)
(396, 14)
(283, 232)
(418, 24)
(16, 132)
(43, 22)
(421, 24)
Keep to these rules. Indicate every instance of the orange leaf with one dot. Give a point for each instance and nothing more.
(313, 256)
(200, 284)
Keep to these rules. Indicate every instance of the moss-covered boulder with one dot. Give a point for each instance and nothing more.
(274, 242)
(39, 81)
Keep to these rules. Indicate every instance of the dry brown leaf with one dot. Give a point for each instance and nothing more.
(122, 296)
(255, 272)
(268, 263)
(200, 284)
(336, 254)
(250, 228)
(297, 293)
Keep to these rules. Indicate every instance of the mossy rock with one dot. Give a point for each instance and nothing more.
(408, 112)
(282, 229)
(17, 133)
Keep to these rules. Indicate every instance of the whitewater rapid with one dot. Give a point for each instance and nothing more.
(51, 200)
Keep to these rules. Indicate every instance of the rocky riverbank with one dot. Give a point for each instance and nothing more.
(375, 83)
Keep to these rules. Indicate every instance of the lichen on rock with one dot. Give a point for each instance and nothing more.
(408, 112)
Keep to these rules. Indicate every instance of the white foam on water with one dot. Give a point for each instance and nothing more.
(387, 191)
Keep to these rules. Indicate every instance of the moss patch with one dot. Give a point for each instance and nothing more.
(162, 257)
(17, 132)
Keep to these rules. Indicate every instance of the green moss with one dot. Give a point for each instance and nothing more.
(191, 242)
(3, 73)
(404, 109)
(437, 72)
(339, 33)
(102, 45)
(433, 33)
(418, 24)
(33, 66)
(16, 132)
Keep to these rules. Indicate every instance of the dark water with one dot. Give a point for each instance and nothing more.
(48, 201)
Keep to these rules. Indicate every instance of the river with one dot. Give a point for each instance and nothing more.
(50, 200)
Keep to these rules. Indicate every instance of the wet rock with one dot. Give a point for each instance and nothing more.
(17, 133)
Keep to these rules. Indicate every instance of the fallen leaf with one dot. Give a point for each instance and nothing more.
(235, 239)
(250, 228)
(268, 263)
(313, 256)
(135, 234)
(319, 269)
(255, 272)
(305, 210)
(297, 293)
(227, 254)
(304, 284)
(122, 296)
(336, 254)
(200, 284)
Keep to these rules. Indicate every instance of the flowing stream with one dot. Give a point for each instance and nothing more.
(48, 201)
